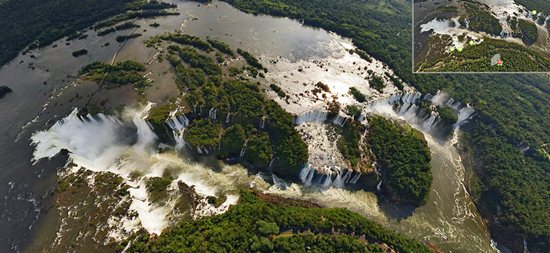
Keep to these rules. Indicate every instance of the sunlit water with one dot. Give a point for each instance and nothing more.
(449, 218)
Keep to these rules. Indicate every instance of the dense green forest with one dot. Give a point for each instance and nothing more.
(230, 111)
(360, 97)
(203, 134)
(529, 33)
(448, 119)
(263, 223)
(111, 76)
(512, 109)
(40, 22)
(251, 60)
(538, 5)
(481, 19)
(351, 145)
(478, 58)
(403, 156)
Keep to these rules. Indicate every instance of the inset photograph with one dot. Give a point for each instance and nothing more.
(471, 36)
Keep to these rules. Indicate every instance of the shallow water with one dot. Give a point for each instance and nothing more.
(448, 218)
(261, 35)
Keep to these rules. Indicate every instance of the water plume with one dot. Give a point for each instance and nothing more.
(127, 146)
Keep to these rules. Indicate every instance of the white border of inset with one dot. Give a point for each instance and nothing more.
(443, 73)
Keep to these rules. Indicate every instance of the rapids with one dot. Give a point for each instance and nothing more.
(126, 145)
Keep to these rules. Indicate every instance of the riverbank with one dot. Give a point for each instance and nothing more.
(506, 240)
(325, 51)
(506, 122)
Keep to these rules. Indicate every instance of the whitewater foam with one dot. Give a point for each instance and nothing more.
(94, 143)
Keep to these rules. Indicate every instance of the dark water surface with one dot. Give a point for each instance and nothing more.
(448, 217)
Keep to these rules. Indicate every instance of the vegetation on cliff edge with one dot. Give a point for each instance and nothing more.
(258, 225)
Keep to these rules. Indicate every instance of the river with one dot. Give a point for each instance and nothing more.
(449, 218)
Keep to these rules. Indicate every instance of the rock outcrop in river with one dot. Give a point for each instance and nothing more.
(4, 90)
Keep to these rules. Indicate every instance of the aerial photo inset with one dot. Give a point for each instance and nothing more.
(481, 36)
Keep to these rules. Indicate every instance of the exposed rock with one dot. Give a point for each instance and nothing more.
(4, 90)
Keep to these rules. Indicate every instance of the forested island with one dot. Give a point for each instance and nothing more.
(505, 144)
(529, 33)
(110, 76)
(476, 58)
(265, 223)
(485, 34)
(481, 20)
(229, 112)
(402, 155)
(37, 23)
(539, 5)
(231, 119)
(503, 122)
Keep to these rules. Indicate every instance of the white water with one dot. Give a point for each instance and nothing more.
(503, 10)
(311, 116)
(444, 27)
(407, 109)
(94, 143)
(448, 218)
(127, 157)
(339, 70)
(178, 124)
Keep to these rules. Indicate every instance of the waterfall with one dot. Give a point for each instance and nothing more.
(146, 136)
(306, 175)
(270, 166)
(338, 181)
(428, 97)
(99, 144)
(455, 105)
(431, 122)
(178, 125)
(379, 185)
(212, 113)
(228, 118)
(328, 181)
(405, 106)
(340, 121)
(347, 176)
(303, 173)
(243, 150)
(262, 124)
(355, 178)
(318, 116)
(525, 248)
(311, 116)
(465, 114)
(281, 184)
(411, 98)
(403, 109)
(201, 150)
(311, 176)
(178, 122)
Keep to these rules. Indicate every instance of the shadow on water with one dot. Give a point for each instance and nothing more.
(394, 211)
